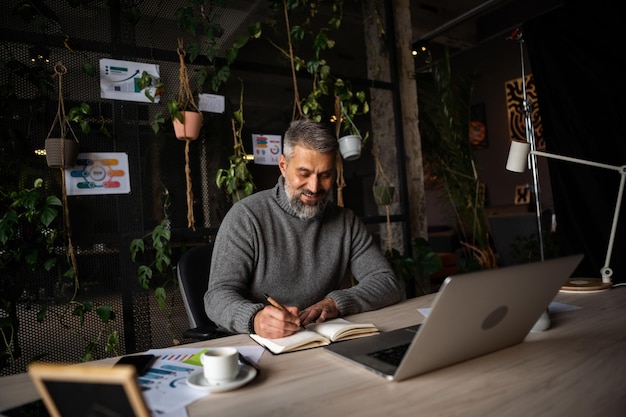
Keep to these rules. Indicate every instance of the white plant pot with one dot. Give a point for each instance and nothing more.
(350, 147)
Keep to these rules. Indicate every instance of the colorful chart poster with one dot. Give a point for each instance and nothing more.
(98, 173)
(118, 80)
(267, 149)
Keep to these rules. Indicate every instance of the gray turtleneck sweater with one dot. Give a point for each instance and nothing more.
(263, 247)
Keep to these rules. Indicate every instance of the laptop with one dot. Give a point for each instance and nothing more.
(472, 314)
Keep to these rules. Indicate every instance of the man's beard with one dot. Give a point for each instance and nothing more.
(305, 211)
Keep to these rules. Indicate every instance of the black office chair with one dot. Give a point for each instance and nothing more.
(193, 276)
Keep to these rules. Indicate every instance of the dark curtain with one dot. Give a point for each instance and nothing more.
(577, 58)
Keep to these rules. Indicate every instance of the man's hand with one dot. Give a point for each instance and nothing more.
(319, 312)
(272, 322)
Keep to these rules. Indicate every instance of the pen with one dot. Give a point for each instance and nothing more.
(278, 306)
(275, 303)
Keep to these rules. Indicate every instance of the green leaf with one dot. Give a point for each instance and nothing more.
(255, 30)
(297, 33)
(136, 246)
(42, 314)
(161, 297)
(79, 311)
(49, 263)
(88, 69)
(240, 42)
(144, 275)
(113, 342)
(105, 313)
(193, 50)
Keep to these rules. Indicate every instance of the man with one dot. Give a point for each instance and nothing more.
(295, 245)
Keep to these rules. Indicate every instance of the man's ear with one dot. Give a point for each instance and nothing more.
(282, 164)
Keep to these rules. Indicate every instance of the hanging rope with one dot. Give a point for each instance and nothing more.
(186, 102)
(59, 71)
(190, 217)
(185, 96)
(380, 178)
(341, 182)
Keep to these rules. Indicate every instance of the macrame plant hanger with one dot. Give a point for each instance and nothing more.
(380, 178)
(186, 101)
(341, 182)
(61, 118)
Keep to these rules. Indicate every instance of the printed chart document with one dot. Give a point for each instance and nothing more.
(164, 386)
(317, 334)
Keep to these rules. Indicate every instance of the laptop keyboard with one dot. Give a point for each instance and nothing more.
(392, 355)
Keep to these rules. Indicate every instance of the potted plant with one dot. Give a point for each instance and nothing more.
(237, 180)
(444, 102)
(347, 106)
(186, 115)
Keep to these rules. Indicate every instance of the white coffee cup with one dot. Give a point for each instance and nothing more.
(220, 364)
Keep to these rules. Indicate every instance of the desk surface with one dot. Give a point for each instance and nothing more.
(576, 368)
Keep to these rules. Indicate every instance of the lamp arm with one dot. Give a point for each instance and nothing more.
(579, 161)
(606, 270)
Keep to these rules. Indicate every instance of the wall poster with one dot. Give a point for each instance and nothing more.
(98, 173)
(515, 110)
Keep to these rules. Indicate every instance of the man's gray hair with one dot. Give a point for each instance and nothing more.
(309, 134)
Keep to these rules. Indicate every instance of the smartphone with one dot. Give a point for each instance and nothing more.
(140, 362)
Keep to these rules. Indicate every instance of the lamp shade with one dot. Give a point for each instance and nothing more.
(518, 156)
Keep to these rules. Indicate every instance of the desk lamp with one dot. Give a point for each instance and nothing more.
(519, 155)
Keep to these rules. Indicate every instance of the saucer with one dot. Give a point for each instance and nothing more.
(198, 381)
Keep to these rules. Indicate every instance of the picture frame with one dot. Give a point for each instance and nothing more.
(84, 390)
(516, 110)
(478, 127)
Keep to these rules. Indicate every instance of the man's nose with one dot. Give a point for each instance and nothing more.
(313, 184)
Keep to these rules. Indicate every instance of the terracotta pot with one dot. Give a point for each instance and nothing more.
(61, 153)
(383, 194)
(350, 147)
(189, 129)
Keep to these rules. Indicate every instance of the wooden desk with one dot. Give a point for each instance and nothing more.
(576, 368)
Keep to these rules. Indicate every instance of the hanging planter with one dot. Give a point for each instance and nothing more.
(383, 191)
(186, 115)
(187, 121)
(383, 194)
(189, 127)
(61, 152)
(350, 147)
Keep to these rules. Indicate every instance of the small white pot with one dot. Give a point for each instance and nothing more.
(350, 147)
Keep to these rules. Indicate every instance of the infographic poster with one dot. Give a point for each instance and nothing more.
(118, 80)
(267, 149)
(98, 173)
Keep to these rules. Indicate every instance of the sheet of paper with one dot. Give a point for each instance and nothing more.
(164, 386)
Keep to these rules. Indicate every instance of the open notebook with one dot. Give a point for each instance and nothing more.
(472, 314)
(317, 334)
